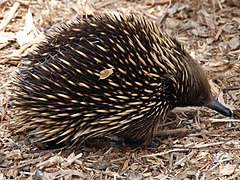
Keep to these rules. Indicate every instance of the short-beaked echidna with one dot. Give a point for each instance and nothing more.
(106, 75)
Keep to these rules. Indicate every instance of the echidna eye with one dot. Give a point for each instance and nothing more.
(203, 98)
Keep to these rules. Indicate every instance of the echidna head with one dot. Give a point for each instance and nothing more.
(198, 91)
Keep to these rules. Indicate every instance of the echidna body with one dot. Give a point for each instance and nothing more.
(63, 98)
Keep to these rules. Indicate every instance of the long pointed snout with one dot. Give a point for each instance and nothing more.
(217, 106)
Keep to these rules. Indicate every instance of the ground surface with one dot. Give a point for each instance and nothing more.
(210, 31)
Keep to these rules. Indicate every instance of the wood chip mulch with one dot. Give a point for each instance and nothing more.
(201, 144)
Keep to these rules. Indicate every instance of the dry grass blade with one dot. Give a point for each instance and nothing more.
(10, 15)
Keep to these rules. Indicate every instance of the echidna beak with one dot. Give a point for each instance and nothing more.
(217, 106)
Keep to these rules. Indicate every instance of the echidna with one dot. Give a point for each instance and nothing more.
(64, 97)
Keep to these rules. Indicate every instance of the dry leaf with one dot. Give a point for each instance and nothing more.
(236, 3)
(6, 37)
(172, 23)
(101, 165)
(214, 88)
(65, 174)
(234, 43)
(50, 162)
(227, 170)
(105, 73)
(70, 159)
(8, 16)
(30, 31)
(135, 176)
